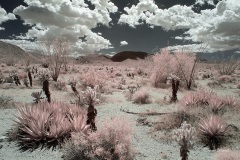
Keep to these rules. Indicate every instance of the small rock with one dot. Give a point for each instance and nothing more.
(1, 146)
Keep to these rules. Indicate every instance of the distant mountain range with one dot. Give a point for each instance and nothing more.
(10, 51)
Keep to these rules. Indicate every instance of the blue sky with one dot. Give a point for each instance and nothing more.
(111, 26)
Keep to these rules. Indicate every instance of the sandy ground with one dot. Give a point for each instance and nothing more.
(145, 146)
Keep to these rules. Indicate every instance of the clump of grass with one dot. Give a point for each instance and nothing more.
(141, 97)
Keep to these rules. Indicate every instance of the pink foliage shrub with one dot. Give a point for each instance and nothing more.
(181, 64)
(206, 97)
(225, 78)
(186, 62)
(141, 96)
(112, 141)
(93, 78)
(164, 64)
(201, 97)
(231, 101)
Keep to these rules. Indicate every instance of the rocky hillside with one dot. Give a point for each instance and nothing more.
(10, 52)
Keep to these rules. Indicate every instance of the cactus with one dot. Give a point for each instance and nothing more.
(183, 136)
(175, 86)
(46, 90)
(30, 77)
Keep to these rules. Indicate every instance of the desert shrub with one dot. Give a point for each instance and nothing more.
(141, 96)
(94, 78)
(2, 79)
(226, 67)
(209, 100)
(213, 131)
(164, 64)
(6, 102)
(214, 83)
(112, 141)
(182, 64)
(199, 98)
(227, 154)
(186, 65)
(225, 79)
(231, 101)
(47, 124)
(238, 85)
(55, 55)
(60, 85)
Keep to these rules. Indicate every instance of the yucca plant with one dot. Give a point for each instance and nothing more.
(216, 104)
(48, 124)
(90, 97)
(212, 129)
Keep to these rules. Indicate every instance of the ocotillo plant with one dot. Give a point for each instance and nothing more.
(183, 136)
(91, 98)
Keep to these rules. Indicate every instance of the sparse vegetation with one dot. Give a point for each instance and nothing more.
(96, 92)
(113, 141)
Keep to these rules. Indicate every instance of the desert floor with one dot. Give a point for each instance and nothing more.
(148, 142)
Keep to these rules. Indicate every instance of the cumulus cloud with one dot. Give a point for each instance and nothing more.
(5, 17)
(70, 19)
(202, 2)
(123, 43)
(218, 27)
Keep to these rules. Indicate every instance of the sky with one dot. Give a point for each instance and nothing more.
(111, 26)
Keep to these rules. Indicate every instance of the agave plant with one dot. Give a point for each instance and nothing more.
(231, 101)
(49, 123)
(216, 104)
(213, 129)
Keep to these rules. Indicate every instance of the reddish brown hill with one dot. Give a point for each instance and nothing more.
(121, 56)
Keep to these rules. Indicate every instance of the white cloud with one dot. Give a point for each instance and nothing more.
(5, 17)
(70, 19)
(219, 27)
(202, 2)
(123, 43)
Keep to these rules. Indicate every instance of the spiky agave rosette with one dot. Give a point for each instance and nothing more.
(213, 129)
(48, 124)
